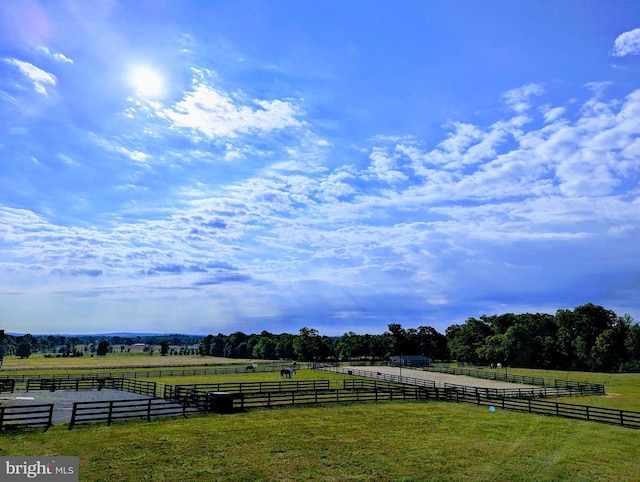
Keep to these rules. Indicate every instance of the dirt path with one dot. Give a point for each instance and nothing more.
(440, 378)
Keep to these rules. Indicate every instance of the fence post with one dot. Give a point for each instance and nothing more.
(50, 416)
(73, 415)
(110, 412)
(149, 411)
(1, 417)
(621, 418)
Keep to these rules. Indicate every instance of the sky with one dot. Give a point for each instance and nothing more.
(203, 167)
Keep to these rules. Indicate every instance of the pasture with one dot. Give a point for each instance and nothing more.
(361, 441)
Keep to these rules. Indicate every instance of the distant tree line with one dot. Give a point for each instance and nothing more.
(79, 345)
(589, 338)
(309, 345)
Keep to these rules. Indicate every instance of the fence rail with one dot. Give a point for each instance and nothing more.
(559, 388)
(20, 416)
(381, 376)
(7, 385)
(208, 398)
(22, 380)
(114, 410)
(623, 418)
(595, 388)
(244, 387)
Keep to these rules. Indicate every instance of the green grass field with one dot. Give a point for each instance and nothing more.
(384, 441)
(408, 441)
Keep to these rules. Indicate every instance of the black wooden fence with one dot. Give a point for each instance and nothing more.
(498, 375)
(14, 417)
(7, 385)
(21, 381)
(624, 418)
(171, 391)
(210, 397)
(113, 410)
(562, 388)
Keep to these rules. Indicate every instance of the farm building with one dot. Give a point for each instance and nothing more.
(410, 361)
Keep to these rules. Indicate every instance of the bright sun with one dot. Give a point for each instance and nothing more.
(147, 81)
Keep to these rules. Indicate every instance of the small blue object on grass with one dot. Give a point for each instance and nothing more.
(492, 408)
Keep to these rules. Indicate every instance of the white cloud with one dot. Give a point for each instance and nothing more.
(215, 114)
(383, 167)
(627, 43)
(39, 77)
(57, 56)
(518, 99)
(552, 114)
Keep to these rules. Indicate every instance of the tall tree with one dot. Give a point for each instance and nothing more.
(103, 348)
(24, 349)
(164, 347)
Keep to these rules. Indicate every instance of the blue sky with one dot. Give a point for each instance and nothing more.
(205, 167)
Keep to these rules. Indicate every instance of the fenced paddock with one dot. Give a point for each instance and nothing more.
(86, 400)
(557, 388)
(117, 410)
(211, 397)
(22, 416)
(21, 381)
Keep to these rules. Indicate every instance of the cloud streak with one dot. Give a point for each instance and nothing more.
(40, 79)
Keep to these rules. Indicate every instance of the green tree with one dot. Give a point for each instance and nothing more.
(164, 347)
(308, 345)
(103, 348)
(464, 340)
(265, 348)
(285, 346)
(205, 345)
(399, 339)
(24, 349)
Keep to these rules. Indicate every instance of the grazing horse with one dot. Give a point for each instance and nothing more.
(249, 368)
(285, 373)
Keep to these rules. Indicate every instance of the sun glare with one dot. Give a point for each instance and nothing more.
(147, 81)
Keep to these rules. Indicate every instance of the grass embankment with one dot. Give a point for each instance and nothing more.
(622, 389)
(383, 441)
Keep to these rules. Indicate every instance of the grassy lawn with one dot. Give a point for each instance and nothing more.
(112, 360)
(383, 441)
(370, 441)
(302, 374)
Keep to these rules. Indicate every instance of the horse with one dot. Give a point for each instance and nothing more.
(249, 368)
(285, 373)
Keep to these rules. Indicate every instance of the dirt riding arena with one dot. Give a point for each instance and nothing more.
(440, 378)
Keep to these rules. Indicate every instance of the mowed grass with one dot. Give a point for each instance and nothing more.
(301, 374)
(370, 441)
(400, 441)
(113, 360)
